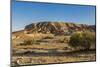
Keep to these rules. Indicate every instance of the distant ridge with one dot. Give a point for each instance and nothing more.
(57, 27)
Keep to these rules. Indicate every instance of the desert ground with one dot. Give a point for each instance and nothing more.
(47, 48)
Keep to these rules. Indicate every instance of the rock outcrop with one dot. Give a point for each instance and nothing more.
(57, 27)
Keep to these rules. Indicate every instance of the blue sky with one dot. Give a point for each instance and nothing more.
(24, 13)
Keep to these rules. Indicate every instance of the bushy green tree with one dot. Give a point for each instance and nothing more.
(82, 39)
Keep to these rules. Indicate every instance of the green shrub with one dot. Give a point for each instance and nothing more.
(27, 42)
(30, 42)
(82, 39)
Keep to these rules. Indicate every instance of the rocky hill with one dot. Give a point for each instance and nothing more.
(57, 27)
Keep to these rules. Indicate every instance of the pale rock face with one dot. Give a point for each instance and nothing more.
(25, 32)
(13, 37)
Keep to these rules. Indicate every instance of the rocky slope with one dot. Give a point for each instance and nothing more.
(57, 27)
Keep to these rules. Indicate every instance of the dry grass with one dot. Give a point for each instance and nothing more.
(24, 60)
(48, 44)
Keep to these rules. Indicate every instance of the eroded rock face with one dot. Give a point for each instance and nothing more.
(57, 27)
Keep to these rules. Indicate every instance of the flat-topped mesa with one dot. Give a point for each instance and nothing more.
(56, 27)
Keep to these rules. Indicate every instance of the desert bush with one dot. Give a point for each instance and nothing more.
(48, 37)
(82, 39)
(30, 42)
(64, 40)
(27, 42)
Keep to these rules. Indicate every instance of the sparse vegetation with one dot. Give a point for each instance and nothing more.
(39, 44)
(28, 42)
(48, 37)
(64, 40)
